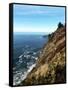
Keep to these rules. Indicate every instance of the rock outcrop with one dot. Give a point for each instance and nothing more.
(51, 65)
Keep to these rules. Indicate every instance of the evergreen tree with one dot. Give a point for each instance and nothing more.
(60, 25)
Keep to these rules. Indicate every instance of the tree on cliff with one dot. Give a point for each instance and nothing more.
(60, 25)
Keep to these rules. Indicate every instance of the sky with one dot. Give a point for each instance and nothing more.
(34, 19)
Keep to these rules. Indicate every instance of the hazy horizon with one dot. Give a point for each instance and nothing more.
(31, 33)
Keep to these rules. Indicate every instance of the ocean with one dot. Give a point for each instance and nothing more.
(26, 50)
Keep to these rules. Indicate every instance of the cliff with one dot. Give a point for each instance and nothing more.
(51, 65)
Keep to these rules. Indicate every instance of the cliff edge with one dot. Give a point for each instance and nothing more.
(51, 65)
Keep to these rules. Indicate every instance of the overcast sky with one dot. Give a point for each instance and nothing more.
(28, 18)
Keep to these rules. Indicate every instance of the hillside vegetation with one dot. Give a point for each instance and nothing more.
(51, 65)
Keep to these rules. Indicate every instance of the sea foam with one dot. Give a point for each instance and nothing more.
(20, 76)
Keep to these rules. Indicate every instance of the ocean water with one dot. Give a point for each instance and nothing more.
(26, 50)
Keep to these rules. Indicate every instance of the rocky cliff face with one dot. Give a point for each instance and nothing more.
(51, 65)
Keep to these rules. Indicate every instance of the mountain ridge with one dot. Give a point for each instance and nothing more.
(51, 65)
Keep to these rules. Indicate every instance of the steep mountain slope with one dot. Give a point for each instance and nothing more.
(51, 65)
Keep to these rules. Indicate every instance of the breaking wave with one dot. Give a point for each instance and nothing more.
(20, 76)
